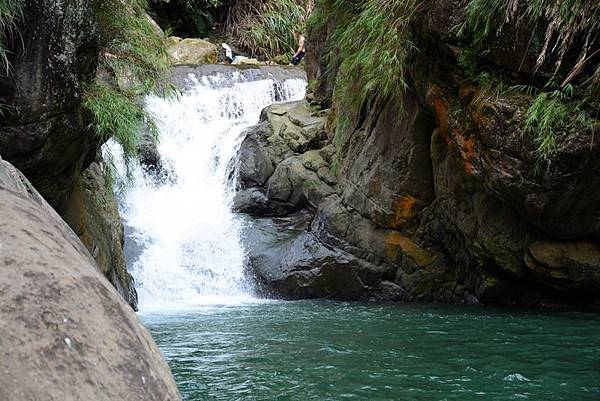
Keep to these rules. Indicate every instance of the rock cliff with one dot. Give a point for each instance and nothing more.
(47, 133)
(433, 194)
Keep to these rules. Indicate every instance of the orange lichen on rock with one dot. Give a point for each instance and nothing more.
(436, 99)
(403, 209)
(396, 243)
(467, 151)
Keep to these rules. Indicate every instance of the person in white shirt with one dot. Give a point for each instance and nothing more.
(228, 53)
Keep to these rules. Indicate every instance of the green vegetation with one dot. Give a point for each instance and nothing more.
(566, 24)
(552, 114)
(375, 43)
(187, 18)
(135, 61)
(266, 28)
(562, 28)
(10, 12)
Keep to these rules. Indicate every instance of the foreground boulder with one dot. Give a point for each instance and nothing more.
(65, 332)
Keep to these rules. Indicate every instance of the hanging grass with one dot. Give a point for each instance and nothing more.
(133, 51)
(10, 12)
(551, 115)
(375, 45)
(568, 25)
(570, 33)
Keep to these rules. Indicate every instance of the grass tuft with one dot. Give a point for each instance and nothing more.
(375, 43)
(570, 26)
(266, 28)
(553, 114)
(10, 12)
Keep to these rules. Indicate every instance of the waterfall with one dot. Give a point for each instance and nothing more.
(186, 239)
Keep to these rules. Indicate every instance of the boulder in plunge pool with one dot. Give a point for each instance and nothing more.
(65, 333)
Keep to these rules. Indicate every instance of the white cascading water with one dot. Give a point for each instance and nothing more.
(189, 238)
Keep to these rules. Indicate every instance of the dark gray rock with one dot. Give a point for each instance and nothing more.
(92, 213)
(45, 132)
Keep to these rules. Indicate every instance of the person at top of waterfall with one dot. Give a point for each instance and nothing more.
(228, 53)
(299, 55)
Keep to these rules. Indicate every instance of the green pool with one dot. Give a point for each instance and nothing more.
(318, 350)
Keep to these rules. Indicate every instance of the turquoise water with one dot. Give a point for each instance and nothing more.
(318, 350)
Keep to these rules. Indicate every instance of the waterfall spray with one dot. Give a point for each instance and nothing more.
(188, 238)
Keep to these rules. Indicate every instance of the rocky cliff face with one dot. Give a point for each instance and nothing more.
(47, 134)
(66, 333)
(93, 214)
(435, 195)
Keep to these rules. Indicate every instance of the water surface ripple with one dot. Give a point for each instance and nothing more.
(318, 350)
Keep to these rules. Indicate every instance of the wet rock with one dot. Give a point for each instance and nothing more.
(302, 267)
(191, 51)
(574, 264)
(276, 157)
(45, 132)
(92, 213)
(148, 154)
(66, 333)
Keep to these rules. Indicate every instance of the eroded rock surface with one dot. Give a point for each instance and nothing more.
(434, 195)
(92, 213)
(44, 131)
(66, 334)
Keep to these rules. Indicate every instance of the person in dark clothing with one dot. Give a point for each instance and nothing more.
(301, 52)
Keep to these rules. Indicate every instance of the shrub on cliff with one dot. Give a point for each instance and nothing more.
(266, 28)
(133, 63)
(565, 33)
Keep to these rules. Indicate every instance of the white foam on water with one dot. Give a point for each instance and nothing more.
(190, 239)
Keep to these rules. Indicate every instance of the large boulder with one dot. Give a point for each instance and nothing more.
(191, 51)
(44, 131)
(285, 178)
(65, 333)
